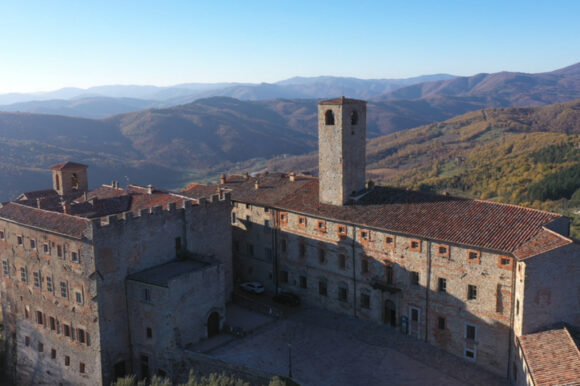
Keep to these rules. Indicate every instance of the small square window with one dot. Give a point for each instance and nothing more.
(32, 244)
(341, 230)
(442, 285)
(390, 241)
(471, 292)
(19, 240)
(505, 262)
(283, 218)
(301, 222)
(365, 235)
(441, 323)
(443, 250)
(474, 256)
(470, 354)
(321, 226)
(415, 245)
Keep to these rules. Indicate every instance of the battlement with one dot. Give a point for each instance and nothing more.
(169, 210)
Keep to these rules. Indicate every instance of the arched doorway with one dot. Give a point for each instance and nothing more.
(213, 324)
(390, 313)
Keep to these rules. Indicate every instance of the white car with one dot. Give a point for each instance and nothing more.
(252, 286)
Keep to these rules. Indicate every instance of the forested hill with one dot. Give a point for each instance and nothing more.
(519, 155)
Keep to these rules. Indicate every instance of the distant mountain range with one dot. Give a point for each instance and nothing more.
(103, 101)
(173, 145)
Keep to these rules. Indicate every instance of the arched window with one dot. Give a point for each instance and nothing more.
(329, 117)
(74, 181)
(353, 117)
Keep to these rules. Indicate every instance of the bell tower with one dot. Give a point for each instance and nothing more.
(341, 149)
(69, 177)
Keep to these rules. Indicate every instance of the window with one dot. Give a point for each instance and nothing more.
(470, 331)
(283, 218)
(36, 276)
(365, 235)
(45, 249)
(390, 241)
(248, 206)
(303, 283)
(442, 250)
(146, 294)
(53, 354)
(414, 278)
(5, 268)
(32, 244)
(52, 323)
(79, 297)
(322, 288)
(471, 292)
(322, 255)
(473, 256)
(365, 301)
(266, 226)
(40, 347)
(49, 284)
(517, 306)
(329, 117)
(81, 335)
(342, 294)
(353, 117)
(283, 245)
(321, 226)
(250, 249)
(266, 210)
(389, 273)
(19, 239)
(365, 265)
(268, 254)
(505, 262)
(234, 219)
(284, 276)
(149, 332)
(26, 311)
(469, 353)
(27, 341)
(74, 256)
(2, 237)
(67, 360)
(442, 285)
(441, 323)
(66, 330)
(415, 245)
(82, 367)
(23, 276)
(301, 222)
(39, 317)
(342, 261)
(248, 222)
(63, 289)
(341, 230)
(302, 250)
(59, 250)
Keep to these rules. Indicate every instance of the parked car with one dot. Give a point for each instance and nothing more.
(254, 287)
(287, 298)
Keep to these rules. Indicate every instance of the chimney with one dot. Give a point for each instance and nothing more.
(223, 179)
(149, 189)
(85, 196)
(246, 175)
(370, 184)
(65, 207)
(292, 176)
(257, 185)
(38, 202)
(219, 191)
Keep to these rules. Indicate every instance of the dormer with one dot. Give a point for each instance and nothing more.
(69, 177)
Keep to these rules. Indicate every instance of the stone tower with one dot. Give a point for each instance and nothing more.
(69, 177)
(341, 149)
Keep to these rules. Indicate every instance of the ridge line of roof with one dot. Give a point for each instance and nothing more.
(49, 211)
(514, 206)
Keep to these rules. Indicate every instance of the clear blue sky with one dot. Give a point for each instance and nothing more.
(47, 45)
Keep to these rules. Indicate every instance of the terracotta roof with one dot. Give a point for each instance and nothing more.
(476, 223)
(544, 241)
(552, 357)
(341, 100)
(199, 190)
(68, 165)
(39, 218)
(37, 194)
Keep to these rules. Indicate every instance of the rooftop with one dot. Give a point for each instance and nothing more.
(68, 165)
(481, 224)
(341, 101)
(552, 356)
(161, 275)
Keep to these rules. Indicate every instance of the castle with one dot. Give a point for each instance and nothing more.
(92, 280)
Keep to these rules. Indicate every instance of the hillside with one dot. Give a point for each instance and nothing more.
(518, 155)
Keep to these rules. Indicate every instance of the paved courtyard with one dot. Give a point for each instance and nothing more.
(331, 349)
